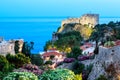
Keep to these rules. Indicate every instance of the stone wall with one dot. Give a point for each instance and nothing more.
(6, 47)
(103, 60)
(91, 19)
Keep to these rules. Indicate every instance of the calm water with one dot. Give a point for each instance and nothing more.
(38, 30)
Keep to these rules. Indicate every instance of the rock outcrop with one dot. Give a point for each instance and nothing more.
(106, 63)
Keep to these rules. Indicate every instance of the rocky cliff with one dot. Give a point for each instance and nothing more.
(106, 63)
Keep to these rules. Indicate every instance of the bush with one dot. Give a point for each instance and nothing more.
(81, 58)
(109, 44)
(49, 62)
(78, 77)
(20, 76)
(57, 74)
(78, 67)
(30, 68)
(18, 60)
(4, 65)
(101, 77)
(36, 59)
(2, 75)
(69, 60)
(76, 51)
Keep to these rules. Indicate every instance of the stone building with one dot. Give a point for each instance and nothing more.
(8, 46)
(89, 19)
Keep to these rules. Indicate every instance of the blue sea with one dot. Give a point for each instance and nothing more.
(36, 29)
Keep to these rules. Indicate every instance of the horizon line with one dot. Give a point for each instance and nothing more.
(56, 17)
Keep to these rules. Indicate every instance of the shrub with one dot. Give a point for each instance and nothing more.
(76, 51)
(78, 67)
(81, 58)
(109, 44)
(36, 59)
(18, 60)
(4, 65)
(48, 62)
(58, 74)
(69, 60)
(20, 76)
(2, 75)
(30, 68)
(78, 77)
(101, 77)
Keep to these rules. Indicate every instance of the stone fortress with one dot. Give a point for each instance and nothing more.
(8, 46)
(90, 19)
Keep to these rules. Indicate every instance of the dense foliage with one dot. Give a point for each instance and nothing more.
(58, 74)
(101, 77)
(78, 67)
(30, 68)
(20, 76)
(76, 51)
(36, 59)
(65, 41)
(27, 47)
(18, 59)
(5, 66)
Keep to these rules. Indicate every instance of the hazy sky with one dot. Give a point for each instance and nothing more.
(35, 8)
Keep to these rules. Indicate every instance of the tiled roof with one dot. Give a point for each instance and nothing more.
(86, 45)
(117, 42)
(51, 53)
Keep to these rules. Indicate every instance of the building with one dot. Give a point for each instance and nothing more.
(8, 46)
(88, 49)
(86, 19)
(58, 57)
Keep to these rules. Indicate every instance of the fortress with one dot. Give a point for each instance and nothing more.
(8, 46)
(89, 19)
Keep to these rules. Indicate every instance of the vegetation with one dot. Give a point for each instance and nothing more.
(30, 68)
(18, 60)
(20, 76)
(78, 67)
(66, 41)
(27, 47)
(36, 59)
(16, 48)
(5, 66)
(58, 74)
(101, 77)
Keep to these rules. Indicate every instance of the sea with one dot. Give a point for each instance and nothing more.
(35, 29)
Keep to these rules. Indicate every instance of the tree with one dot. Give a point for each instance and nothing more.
(76, 51)
(16, 48)
(27, 47)
(36, 59)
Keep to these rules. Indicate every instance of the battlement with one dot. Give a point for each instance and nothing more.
(89, 19)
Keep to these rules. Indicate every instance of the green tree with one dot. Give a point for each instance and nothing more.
(36, 59)
(76, 51)
(16, 47)
(27, 47)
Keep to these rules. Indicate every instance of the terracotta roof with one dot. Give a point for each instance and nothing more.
(86, 45)
(51, 53)
(117, 42)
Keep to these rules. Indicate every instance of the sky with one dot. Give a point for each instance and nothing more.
(49, 8)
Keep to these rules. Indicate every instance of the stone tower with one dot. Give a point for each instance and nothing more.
(90, 19)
